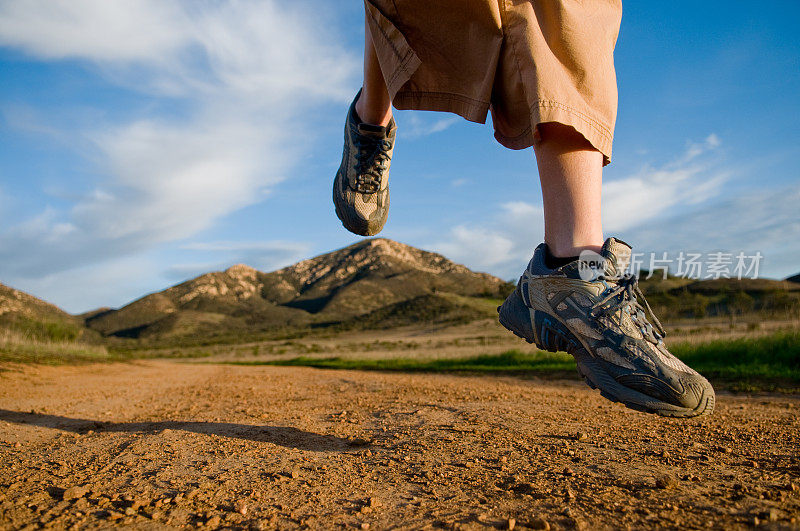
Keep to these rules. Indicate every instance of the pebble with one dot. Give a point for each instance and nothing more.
(73, 493)
(241, 507)
(665, 482)
(539, 523)
(511, 524)
(568, 471)
(581, 436)
(214, 521)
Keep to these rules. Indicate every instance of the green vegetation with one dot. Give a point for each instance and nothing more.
(765, 363)
(512, 361)
(769, 362)
(20, 348)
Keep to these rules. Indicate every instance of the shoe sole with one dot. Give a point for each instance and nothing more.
(550, 334)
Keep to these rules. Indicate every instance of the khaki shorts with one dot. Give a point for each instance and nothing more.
(528, 61)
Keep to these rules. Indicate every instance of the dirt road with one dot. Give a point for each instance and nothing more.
(156, 444)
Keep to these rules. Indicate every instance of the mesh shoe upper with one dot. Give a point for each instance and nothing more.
(361, 187)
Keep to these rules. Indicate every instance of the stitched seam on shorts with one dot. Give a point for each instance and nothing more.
(588, 119)
(402, 67)
(385, 35)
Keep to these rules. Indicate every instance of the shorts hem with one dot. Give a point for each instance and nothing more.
(544, 111)
(464, 106)
(598, 135)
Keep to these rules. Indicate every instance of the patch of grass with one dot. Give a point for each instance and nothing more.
(512, 361)
(769, 363)
(766, 362)
(19, 348)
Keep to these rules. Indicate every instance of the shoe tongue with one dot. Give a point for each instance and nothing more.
(372, 130)
(617, 255)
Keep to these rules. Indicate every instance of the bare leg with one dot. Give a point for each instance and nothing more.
(374, 106)
(571, 174)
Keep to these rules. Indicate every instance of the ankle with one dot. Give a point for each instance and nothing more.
(561, 250)
(373, 113)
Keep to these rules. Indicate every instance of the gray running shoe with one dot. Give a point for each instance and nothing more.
(597, 313)
(361, 186)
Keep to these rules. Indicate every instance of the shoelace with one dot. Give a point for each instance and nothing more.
(626, 296)
(371, 159)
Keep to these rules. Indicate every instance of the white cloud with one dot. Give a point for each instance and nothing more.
(264, 256)
(241, 73)
(112, 283)
(764, 221)
(502, 246)
(679, 206)
(132, 30)
(691, 179)
(418, 124)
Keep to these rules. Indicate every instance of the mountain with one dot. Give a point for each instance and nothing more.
(34, 318)
(341, 287)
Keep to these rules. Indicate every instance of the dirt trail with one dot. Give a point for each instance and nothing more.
(155, 444)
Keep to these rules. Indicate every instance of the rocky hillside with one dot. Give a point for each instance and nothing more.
(34, 318)
(337, 287)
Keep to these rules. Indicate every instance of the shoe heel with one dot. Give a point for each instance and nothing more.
(535, 326)
(515, 316)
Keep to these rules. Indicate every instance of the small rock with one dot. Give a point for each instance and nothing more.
(113, 515)
(568, 471)
(511, 524)
(665, 482)
(581, 436)
(365, 525)
(241, 507)
(214, 521)
(129, 511)
(539, 523)
(295, 474)
(73, 493)
(374, 502)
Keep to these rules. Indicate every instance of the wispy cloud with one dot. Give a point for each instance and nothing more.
(243, 71)
(418, 125)
(678, 206)
(218, 255)
(694, 177)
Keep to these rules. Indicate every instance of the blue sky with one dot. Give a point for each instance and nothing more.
(143, 142)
